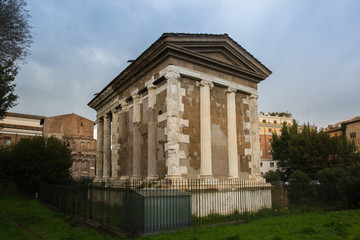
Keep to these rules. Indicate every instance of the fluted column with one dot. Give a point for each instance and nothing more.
(106, 147)
(152, 167)
(205, 129)
(136, 136)
(231, 134)
(99, 150)
(115, 145)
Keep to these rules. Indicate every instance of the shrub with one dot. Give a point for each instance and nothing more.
(350, 185)
(329, 179)
(272, 176)
(298, 177)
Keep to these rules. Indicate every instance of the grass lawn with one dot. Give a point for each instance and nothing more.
(316, 225)
(24, 218)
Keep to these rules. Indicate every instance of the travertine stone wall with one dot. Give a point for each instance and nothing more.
(177, 126)
(191, 102)
(219, 132)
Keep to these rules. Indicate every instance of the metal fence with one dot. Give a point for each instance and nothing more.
(145, 207)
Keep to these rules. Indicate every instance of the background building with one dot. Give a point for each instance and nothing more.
(15, 126)
(351, 129)
(270, 123)
(77, 132)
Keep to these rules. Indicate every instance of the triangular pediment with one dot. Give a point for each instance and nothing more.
(224, 56)
(220, 49)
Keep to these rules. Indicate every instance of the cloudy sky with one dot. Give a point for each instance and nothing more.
(311, 46)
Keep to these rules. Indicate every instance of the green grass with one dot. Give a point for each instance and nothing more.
(314, 225)
(51, 224)
(38, 218)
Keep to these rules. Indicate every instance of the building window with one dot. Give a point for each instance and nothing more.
(353, 135)
(7, 140)
(270, 130)
(271, 164)
(82, 146)
(261, 164)
(275, 121)
(264, 121)
(88, 145)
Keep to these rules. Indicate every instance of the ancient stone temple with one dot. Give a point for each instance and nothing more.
(185, 108)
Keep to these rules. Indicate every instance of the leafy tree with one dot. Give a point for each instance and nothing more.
(329, 179)
(350, 185)
(15, 31)
(8, 73)
(299, 177)
(272, 176)
(311, 151)
(15, 41)
(39, 159)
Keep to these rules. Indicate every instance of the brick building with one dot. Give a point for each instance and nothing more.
(269, 124)
(185, 108)
(350, 127)
(15, 126)
(75, 130)
(78, 133)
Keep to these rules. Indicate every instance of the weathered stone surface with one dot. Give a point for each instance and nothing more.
(183, 121)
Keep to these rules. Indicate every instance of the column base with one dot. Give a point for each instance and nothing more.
(135, 178)
(152, 178)
(124, 177)
(232, 177)
(114, 179)
(206, 176)
(97, 180)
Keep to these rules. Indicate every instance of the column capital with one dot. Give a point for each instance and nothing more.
(136, 97)
(206, 82)
(150, 83)
(108, 116)
(254, 96)
(150, 86)
(124, 106)
(172, 74)
(115, 110)
(231, 90)
(99, 120)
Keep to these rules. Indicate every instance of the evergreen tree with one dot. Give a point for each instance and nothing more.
(311, 151)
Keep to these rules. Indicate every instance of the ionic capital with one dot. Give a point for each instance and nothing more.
(231, 90)
(124, 106)
(151, 86)
(254, 96)
(206, 82)
(172, 74)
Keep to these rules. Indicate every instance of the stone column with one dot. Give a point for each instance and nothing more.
(136, 136)
(254, 135)
(99, 150)
(123, 132)
(205, 129)
(231, 134)
(106, 147)
(152, 167)
(173, 125)
(115, 145)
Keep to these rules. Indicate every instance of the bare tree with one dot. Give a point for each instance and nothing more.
(15, 31)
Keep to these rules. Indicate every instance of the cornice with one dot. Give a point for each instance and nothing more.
(168, 46)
